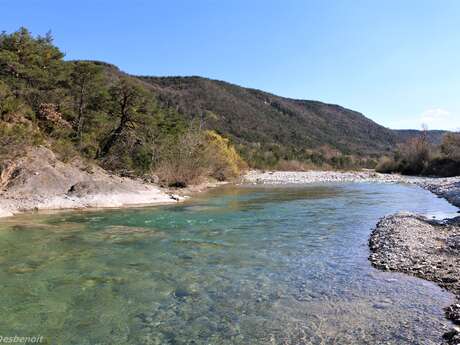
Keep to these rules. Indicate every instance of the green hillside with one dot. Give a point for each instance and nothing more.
(140, 125)
(253, 116)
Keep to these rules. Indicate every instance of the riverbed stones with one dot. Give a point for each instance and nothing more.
(452, 337)
(453, 313)
(453, 243)
(428, 249)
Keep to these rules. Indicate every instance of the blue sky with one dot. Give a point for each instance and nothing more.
(398, 62)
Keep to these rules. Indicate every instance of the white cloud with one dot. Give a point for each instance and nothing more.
(438, 118)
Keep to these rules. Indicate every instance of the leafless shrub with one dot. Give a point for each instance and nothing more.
(295, 165)
(450, 146)
(386, 165)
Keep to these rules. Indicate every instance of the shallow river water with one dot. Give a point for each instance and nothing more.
(237, 265)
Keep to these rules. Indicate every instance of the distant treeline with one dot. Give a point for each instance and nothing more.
(418, 156)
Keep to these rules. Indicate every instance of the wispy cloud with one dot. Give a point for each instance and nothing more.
(434, 118)
(439, 119)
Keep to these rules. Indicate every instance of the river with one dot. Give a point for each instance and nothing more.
(236, 265)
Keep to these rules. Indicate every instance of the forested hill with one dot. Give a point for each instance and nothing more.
(139, 125)
(265, 123)
(256, 117)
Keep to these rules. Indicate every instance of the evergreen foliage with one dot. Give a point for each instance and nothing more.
(88, 109)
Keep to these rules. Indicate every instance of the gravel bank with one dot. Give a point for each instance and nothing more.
(428, 249)
(448, 188)
(305, 177)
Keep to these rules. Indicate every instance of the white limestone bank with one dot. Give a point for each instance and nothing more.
(39, 181)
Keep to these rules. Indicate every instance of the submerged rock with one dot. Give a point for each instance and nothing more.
(21, 269)
(453, 313)
(181, 293)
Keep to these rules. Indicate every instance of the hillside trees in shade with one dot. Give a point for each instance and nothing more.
(134, 138)
(10, 105)
(127, 104)
(272, 131)
(87, 86)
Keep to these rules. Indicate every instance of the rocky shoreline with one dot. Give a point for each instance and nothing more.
(40, 181)
(447, 187)
(422, 247)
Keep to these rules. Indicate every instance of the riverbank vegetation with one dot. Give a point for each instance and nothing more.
(419, 157)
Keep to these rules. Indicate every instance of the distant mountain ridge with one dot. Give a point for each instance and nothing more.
(434, 136)
(253, 116)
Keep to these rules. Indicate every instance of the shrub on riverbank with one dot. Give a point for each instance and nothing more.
(197, 155)
(224, 161)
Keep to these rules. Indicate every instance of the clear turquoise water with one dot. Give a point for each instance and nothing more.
(237, 265)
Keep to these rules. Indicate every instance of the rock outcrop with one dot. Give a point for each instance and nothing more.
(38, 180)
